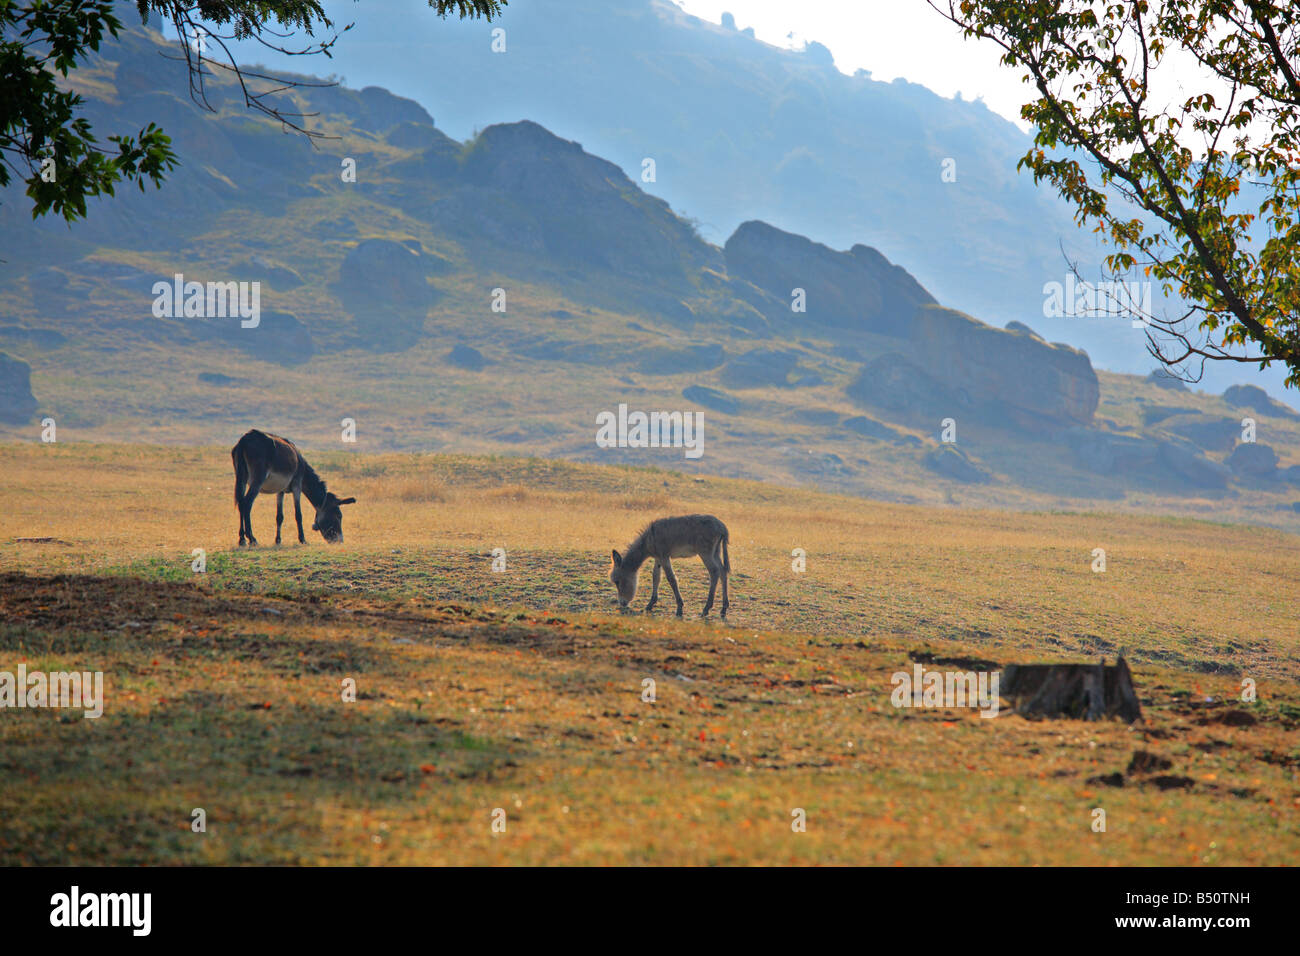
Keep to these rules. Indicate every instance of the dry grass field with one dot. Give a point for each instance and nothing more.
(522, 690)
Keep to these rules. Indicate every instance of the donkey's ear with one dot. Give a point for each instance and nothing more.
(347, 501)
(617, 559)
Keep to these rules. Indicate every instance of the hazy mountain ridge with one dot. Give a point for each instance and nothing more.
(740, 129)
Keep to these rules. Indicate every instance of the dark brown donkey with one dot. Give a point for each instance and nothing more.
(669, 538)
(271, 465)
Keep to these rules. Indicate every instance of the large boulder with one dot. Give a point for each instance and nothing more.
(857, 290)
(956, 366)
(1253, 461)
(1173, 462)
(1004, 373)
(951, 462)
(1105, 452)
(1163, 378)
(575, 207)
(279, 337)
(380, 272)
(1254, 397)
(1185, 463)
(1210, 434)
(17, 403)
(384, 284)
(894, 383)
(467, 357)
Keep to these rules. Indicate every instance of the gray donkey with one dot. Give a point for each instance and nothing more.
(669, 538)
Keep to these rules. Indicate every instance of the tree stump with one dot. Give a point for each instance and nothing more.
(1078, 691)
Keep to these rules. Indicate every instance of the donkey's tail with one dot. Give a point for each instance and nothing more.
(241, 470)
(726, 558)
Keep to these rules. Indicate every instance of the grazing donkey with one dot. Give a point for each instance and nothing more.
(271, 465)
(669, 538)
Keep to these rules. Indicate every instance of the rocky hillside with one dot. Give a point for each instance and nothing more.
(740, 129)
(497, 294)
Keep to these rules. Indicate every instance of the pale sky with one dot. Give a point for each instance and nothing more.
(891, 38)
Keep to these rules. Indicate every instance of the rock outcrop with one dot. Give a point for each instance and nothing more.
(895, 384)
(1254, 397)
(959, 367)
(1163, 378)
(279, 337)
(572, 206)
(951, 462)
(1252, 461)
(17, 403)
(946, 362)
(1024, 329)
(380, 272)
(467, 357)
(858, 290)
(384, 285)
(1167, 463)
(1210, 434)
(1001, 373)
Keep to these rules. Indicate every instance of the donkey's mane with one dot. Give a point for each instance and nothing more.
(312, 485)
(634, 553)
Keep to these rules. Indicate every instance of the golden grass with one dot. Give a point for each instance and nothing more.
(522, 690)
(413, 488)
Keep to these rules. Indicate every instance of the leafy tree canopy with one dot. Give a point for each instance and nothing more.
(1106, 93)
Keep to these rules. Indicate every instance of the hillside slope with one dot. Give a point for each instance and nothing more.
(502, 293)
(739, 129)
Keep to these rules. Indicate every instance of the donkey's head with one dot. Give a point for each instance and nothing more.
(623, 576)
(329, 517)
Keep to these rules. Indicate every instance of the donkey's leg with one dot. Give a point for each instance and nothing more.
(239, 502)
(712, 563)
(245, 535)
(672, 579)
(256, 478)
(279, 515)
(725, 603)
(654, 589)
(297, 511)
